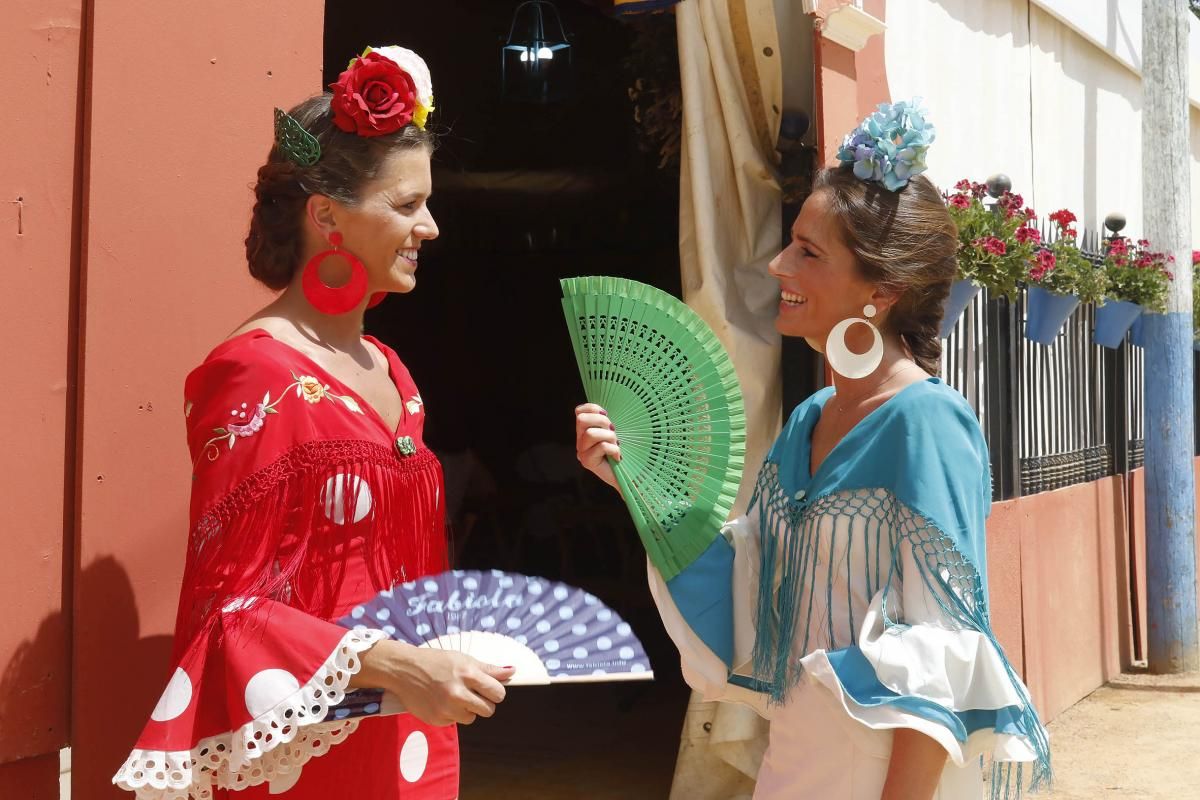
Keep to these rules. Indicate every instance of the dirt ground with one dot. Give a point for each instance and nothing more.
(1138, 738)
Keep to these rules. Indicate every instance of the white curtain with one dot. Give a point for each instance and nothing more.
(729, 230)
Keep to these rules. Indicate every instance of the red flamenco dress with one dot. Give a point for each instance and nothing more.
(304, 504)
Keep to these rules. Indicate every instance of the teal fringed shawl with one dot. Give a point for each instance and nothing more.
(915, 471)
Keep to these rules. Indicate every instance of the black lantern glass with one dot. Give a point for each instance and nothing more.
(535, 61)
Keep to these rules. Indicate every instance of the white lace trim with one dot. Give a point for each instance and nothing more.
(269, 746)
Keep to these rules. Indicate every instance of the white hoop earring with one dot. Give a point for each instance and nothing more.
(846, 362)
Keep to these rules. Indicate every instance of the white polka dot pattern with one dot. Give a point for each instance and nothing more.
(414, 756)
(570, 630)
(175, 698)
(268, 689)
(339, 492)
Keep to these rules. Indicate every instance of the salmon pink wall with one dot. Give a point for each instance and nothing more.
(849, 84)
(180, 118)
(1070, 595)
(39, 59)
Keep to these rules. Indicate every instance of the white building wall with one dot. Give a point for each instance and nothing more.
(1013, 88)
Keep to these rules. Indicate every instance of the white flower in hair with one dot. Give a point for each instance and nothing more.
(417, 69)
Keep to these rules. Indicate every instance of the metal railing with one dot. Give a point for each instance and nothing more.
(1055, 415)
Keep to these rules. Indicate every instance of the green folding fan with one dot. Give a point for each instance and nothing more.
(671, 391)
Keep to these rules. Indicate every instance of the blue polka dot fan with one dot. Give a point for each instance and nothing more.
(548, 631)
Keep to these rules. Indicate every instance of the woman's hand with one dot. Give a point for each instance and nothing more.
(596, 440)
(437, 686)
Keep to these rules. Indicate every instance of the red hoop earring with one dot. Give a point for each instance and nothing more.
(376, 299)
(334, 299)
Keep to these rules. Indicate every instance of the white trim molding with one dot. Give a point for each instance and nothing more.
(851, 27)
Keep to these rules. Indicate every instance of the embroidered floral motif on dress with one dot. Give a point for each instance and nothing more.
(306, 386)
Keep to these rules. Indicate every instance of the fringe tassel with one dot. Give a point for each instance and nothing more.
(280, 533)
(792, 549)
(797, 555)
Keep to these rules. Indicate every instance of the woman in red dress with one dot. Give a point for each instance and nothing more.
(312, 488)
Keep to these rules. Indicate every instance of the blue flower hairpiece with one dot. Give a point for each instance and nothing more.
(889, 146)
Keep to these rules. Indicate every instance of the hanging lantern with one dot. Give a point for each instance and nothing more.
(535, 61)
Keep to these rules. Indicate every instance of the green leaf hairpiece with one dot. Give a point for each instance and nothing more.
(300, 146)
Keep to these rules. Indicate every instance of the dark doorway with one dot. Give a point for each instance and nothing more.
(525, 195)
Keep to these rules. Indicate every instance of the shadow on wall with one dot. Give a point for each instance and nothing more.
(1032, 26)
(106, 581)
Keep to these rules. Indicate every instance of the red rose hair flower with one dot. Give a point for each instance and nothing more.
(373, 97)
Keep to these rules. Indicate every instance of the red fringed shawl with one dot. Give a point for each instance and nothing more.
(304, 504)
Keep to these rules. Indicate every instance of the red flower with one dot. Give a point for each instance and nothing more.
(1143, 243)
(1195, 257)
(960, 201)
(1070, 233)
(991, 244)
(1030, 215)
(1026, 234)
(373, 97)
(1011, 203)
(1118, 246)
(1043, 263)
(1063, 217)
(963, 186)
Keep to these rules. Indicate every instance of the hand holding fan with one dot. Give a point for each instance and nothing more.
(549, 631)
(673, 396)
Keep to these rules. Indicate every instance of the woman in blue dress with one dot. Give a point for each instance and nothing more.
(856, 617)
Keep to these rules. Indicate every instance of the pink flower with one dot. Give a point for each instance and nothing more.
(1030, 215)
(252, 426)
(1118, 246)
(1026, 234)
(963, 186)
(960, 201)
(1195, 257)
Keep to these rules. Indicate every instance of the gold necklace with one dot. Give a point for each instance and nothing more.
(841, 407)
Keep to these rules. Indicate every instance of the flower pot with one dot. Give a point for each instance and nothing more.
(1113, 319)
(1137, 332)
(1045, 314)
(961, 295)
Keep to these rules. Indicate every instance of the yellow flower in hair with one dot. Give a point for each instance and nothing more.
(421, 114)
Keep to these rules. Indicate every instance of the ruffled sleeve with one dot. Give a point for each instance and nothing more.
(915, 666)
(707, 611)
(247, 703)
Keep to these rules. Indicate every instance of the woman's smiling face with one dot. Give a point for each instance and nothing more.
(819, 278)
(391, 221)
